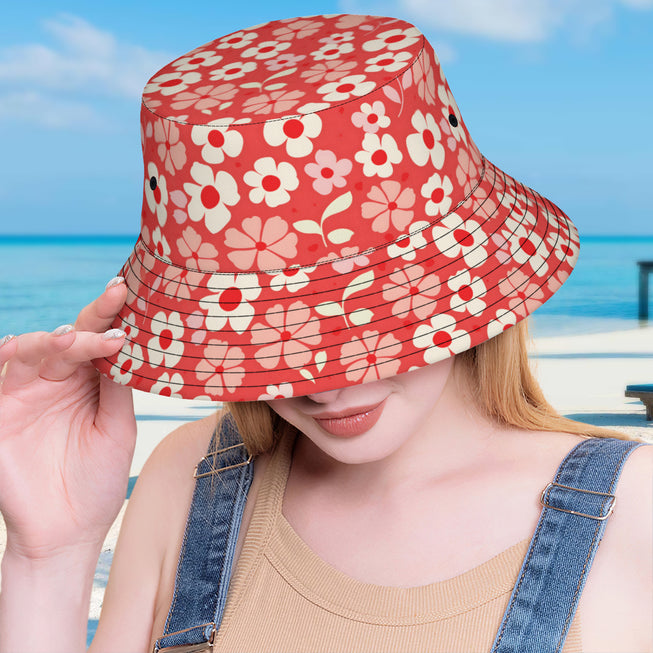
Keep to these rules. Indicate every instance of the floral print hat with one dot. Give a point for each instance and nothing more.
(316, 215)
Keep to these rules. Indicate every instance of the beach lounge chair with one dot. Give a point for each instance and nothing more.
(644, 392)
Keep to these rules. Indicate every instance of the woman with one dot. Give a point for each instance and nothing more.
(324, 248)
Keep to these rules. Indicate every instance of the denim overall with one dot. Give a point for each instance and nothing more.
(576, 506)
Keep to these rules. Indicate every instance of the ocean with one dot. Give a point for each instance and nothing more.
(45, 280)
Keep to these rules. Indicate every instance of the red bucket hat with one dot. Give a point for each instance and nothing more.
(316, 215)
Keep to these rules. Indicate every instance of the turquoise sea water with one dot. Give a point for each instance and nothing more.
(45, 280)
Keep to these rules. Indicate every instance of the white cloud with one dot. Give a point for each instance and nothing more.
(38, 109)
(504, 20)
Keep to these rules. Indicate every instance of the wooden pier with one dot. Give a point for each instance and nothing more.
(645, 268)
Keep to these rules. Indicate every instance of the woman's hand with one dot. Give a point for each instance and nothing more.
(67, 434)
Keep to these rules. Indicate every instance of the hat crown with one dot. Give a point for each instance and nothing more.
(298, 142)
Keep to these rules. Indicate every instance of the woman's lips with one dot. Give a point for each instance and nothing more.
(347, 426)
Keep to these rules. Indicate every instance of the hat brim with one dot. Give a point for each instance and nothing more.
(449, 285)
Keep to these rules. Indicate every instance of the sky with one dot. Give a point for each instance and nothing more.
(558, 93)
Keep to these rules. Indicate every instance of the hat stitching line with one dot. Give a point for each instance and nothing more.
(267, 371)
(298, 115)
(420, 321)
(330, 261)
(411, 264)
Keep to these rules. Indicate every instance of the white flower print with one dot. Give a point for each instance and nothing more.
(406, 246)
(156, 193)
(282, 391)
(345, 87)
(526, 246)
(229, 301)
(271, 182)
(371, 117)
(438, 193)
(295, 133)
(171, 83)
(467, 293)
(129, 359)
(563, 249)
(440, 339)
(332, 51)
(210, 196)
(196, 59)
(266, 49)
(378, 155)
(166, 385)
(160, 245)
(389, 62)
(425, 145)
(293, 278)
(503, 320)
(455, 237)
(218, 140)
(451, 113)
(233, 70)
(236, 40)
(166, 347)
(393, 39)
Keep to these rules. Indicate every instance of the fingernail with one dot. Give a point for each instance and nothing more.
(63, 330)
(115, 282)
(6, 339)
(113, 334)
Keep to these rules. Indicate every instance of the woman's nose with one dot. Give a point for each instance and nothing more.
(326, 397)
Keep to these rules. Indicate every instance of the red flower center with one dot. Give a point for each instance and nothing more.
(372, 118)
(219, 369)
(165, 338)
(260, 246)
(327, 173)
(216, 138)
(197, 60)
(371, 359)
(414, 290)
(210, 197)
(385, 62)
(379, 157)
(291, 272)
(271, 183)
(395, 38)
(157, 195)
(392, 206)
(284, 335)
(293, 128)
(332, 51)
(527, 246)
(429, 139)
(266, 48)
(166, 391)
(437, 195)
(235, 39)
(171, 82)
(345, 88)
(466, 293)
(230, 299)
(463, 237)
(126, 366)
(442, 339)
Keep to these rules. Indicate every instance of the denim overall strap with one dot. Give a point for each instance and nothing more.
(224, 477)
(576, 507)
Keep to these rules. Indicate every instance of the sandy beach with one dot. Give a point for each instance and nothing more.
(584, 377)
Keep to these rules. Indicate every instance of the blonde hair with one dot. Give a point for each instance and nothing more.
(501, 381)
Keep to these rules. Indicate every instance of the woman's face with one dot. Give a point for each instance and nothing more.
(366, 423)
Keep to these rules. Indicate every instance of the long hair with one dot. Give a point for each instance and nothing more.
(501, 382)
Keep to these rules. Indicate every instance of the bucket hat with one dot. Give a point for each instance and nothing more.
(316, 215)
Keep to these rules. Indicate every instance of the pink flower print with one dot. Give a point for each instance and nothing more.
(129, 359)
(440, 338)
(504, 319)
(525, 295)
(171, 150)
(171, 83)
(457, 237)
(230, 301)
(350, 21)
(528, 247)
(411, 289)
(221, 366)
(293, 278)
(178, 282)
(281, 391)
(437, 191)
(338, 37)
(261, 246)
(295, 133)
(451, 112)
(390, 204)
(197, 59)
(393, 39)
(289, 334)
(204, 97)
(347, 260)
(424, 145)
(156, 193)
(467, 293)
(406, 246)
(236, 40)
(166, 348)
(378, 155)
(218, 140)
(210, 196)
(327, 70)
(277, 101)
(161, 246)
(371, 357)
(332, 51)
(167, 385)
(297, 29)
(199, 255)
(371, 117)
(388, 62)
(553, 284)
(266, 49)
(345, 88)
(233, 70)
(424, 74)
(328, 171)
(284, 60)
(271, 181)
(468, 171)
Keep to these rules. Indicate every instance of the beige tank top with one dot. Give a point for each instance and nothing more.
(283, 597)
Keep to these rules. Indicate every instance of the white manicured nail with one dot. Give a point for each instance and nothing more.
(6, 339)
(115, 282)
(113, 334)
(63, 330)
